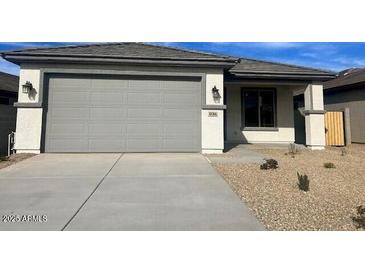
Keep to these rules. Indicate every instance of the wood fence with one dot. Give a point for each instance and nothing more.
(334, 128)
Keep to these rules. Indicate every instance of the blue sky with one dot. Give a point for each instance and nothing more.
(330, 56)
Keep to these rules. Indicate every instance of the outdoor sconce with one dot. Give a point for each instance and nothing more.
(216, 94)
(27, 87)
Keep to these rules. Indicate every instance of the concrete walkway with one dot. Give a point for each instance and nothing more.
(237, 154)
(121, 192)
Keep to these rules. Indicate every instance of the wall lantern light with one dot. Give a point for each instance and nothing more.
(216, 94)
(27, 87)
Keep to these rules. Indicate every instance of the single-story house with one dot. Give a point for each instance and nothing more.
(8, 96)
(347, 93)
(136, 97)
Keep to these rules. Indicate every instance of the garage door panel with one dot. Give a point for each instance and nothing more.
(67, 145)
(182, 107)
(117, 114)
(70, 98)
(106, 113)
(144, 85)
(148, 130)
(59, 113)
(68, 128)
(178, 114)
(143, 144)
(144, 113)
(107, 145)
(181, 129)
(188, 99)
(106, 99)
(108, 84)
(151, 98)
(106, 129)
(179, 144)
(181, 85)
(70, 83)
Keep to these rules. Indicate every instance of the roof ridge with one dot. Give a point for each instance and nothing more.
(289, 65)
(189, 50)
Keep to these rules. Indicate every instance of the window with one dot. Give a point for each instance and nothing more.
(258, 108)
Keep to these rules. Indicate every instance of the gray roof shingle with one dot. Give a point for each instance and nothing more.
(8, 82)
(149, 53)
(122, 50)
(347, 78)
(258, 67)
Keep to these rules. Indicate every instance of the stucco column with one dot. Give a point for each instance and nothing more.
(212, 115)
(29, 114)
(314, 116)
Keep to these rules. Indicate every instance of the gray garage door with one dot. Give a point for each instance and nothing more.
(122, 114)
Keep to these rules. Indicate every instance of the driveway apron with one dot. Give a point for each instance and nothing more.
(51, 185)
(164, 192)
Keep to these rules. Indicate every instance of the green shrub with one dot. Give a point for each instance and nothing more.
(269, 164)
(303, 182)
(359, 220)
(329, 165)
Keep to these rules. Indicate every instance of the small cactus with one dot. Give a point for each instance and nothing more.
(359, 220)
(303, 182)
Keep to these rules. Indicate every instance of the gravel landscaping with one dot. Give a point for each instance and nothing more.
(333, 197)
(13, 159)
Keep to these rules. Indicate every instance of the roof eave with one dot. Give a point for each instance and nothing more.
(218, 59)
(283, 75)
(19, 59)
(344, 86)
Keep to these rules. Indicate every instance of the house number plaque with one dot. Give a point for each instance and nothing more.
(213, 114)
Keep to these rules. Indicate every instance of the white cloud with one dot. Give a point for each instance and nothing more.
(260, 45)
(309, 54)
(278, 45)
(348, 61)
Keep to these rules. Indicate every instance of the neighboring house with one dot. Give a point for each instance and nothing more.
(8, 95)
(135, 97)
(348, 91)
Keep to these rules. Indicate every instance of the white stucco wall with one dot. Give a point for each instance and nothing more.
(29, 120)
(33, 76)
(28, 130)
(285, 118)
(212, 119)
(314, 128)
(313, 97)
(214, 80)
(212, 131)
(314, 122)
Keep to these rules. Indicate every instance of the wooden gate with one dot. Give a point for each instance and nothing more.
(334, 126)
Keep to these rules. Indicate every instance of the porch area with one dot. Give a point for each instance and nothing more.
(262, 112)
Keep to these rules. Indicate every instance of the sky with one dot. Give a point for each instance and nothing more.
(328, 56)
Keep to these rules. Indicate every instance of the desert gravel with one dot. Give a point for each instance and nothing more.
(279, 204)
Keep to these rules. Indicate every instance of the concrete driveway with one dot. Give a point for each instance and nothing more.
(119, 192)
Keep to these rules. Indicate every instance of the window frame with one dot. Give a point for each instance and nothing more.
(258, 128)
